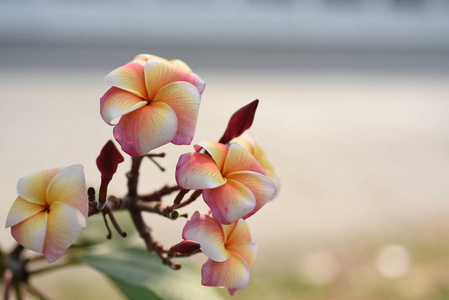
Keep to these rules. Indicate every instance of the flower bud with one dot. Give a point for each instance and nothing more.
(108, 161)
(187, 247)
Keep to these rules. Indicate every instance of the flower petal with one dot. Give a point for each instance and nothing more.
(145, 129)
(181, 65)
(230, 201)
(184, 99)
(197, 171)
(117, 102)
(237, 232)
(216, 150)
(22, 210)
(143, 58)
(208, 233)
(245, 250)
(233, 273)
(33, 187)
(159, 73)
(260, 186)
(129, 77)
(258, 152)
(31, 232)
(269, 172)
(246, 141)
(65, 223)
(69, 186)
(239, 159)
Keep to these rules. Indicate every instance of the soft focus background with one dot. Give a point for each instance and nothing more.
(354, 114)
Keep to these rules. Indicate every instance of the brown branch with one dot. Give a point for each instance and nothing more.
(145, 234)
(107, 211)
(157, 164)
(133, 176)
(112, 204)
(157, 209)
(169, 211)
(109, 236)
(192, 198)
(136, 204)
(180, 196)
(157, 196)
(142, 228)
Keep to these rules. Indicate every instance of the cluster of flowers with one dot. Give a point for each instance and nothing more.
(158, 101)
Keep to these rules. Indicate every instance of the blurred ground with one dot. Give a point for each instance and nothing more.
(359, 140)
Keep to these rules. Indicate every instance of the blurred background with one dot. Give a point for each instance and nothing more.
(353, 115)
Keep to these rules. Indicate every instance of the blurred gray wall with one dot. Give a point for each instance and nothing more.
(421, 25)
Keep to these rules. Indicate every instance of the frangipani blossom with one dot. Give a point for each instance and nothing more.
(234, 184)
(247, 141)
(50, 211)
(157, 100)
(229, 248)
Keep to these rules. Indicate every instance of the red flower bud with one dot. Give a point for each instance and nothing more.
(187, 247)
(108, 161)
(240, 121)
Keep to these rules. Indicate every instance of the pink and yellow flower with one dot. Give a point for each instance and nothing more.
(50, 211)
(157, 100)
(247, 141)
(234, 184)
(229, 248)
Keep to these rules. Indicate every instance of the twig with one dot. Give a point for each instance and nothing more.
(109, 236)
(180, 196)
(144, 206)
(149, 155)
(133, 176)
(192, 198)
(157, 164)
(112, 204)
(145, 234)
(107, 211)
(142, 228)
(170, 211)
(157, 196)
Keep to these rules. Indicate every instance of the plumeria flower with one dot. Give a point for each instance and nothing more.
(50, 211)
(158, 102)
(234, 184)
(247, 141)
(229, 248)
